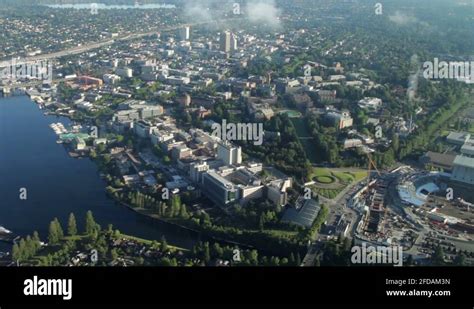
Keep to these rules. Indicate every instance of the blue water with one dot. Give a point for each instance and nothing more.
(56, 184)
(102, 6)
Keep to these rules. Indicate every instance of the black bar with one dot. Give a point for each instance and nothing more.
(351, 286)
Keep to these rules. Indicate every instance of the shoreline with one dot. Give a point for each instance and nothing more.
(200, 235)
(177, 225)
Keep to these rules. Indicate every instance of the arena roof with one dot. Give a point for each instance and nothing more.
(305, 216)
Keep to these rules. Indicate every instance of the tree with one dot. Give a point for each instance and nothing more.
(36, 240)
(22, 247)
(175, 208)
(253, 257)
(29, 247)
(91, 226)
(164, 244)
(59, 228)
(217, 251)
(183, 213)
(16, 256)
(113, 254)
(72, 226)
(53, 233)
(438, 257)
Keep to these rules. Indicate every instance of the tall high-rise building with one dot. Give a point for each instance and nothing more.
(185, 33)
(226, 38)
(234, 43)
(229, 154)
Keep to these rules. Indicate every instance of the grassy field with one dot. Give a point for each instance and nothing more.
(324, 179)
(292, 113)
(332, 189)
(344, 176)
(149, 242)
(308, 144)
(281, 233)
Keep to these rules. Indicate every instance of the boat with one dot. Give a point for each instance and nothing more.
(4, 230)
(58, 128)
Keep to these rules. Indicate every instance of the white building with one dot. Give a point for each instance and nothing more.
(124, 72)
(197, 170)
(185, 33)
(229, 154)
(225, 41)
(370, 103)
(111, 79)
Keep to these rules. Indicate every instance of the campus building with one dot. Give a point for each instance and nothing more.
(463, 170)
(229, 154)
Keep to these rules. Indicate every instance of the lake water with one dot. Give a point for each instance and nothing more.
(102, 6)
(57, 184)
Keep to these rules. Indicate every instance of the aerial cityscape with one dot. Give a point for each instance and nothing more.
(304, 133)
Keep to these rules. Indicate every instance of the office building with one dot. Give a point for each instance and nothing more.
(185, 33)
(226, 41)
(234, 43)
(340, 119)
(229, 154)
(197, 170)
(111, 79)
(463, 170)
(220, 190)
(124, 72)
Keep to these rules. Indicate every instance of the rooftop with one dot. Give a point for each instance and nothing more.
(304, 216)
(464, 161)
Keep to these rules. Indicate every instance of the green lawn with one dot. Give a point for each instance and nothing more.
(344, 179)
(148, 242)
(328, 193)
(292, 113)
(281, 233)
(308, 144)
(320, 172)
(324, 179)
(343, 176)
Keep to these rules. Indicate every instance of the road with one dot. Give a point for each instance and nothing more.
(337, 206)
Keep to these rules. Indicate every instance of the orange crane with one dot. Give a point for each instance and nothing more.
(370, 164)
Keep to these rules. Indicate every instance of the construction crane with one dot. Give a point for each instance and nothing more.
(370, 164)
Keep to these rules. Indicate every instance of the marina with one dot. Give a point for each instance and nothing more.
(58, 128)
